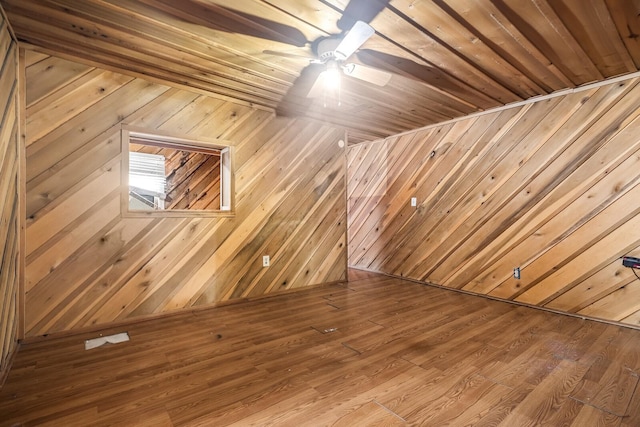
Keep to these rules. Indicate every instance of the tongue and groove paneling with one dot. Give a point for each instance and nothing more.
(86, 265)
(551, 187)
(9, 187)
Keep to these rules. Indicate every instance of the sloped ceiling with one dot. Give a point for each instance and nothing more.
(449, 58)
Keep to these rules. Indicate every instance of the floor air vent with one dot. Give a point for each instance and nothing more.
(111, 339)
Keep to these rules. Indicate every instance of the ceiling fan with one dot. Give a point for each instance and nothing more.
(337, 54)
(334, 58)
(331, 63)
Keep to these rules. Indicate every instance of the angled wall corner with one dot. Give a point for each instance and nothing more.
(550, 187)
(87, 265)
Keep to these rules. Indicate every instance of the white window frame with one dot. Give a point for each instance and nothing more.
(227, 187)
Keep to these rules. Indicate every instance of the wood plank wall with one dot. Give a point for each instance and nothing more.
(551, 187)
(9, 185)
(193, 182)
(86, 265)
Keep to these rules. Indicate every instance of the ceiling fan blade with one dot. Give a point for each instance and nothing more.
(361, 10)
(295, 102)
(368, 74)
(244, 23)
(422, 72)
(292, 55)
(355, 38)
(229, 20)
(398, 65)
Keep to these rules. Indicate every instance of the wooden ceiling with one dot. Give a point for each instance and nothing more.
(449, 58)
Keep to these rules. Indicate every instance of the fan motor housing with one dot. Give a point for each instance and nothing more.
(327, 49)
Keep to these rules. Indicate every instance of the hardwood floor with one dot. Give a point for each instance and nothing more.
(374, 351)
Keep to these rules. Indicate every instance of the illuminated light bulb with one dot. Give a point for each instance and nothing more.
(332, 76)
(331, 81)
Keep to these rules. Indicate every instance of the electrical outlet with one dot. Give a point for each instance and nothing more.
(414, 201)
(266, 262)
(516, 273)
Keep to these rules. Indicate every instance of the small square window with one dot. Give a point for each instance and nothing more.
(174, 176)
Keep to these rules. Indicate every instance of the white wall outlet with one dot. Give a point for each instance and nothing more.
(414, 201)
(266, 262)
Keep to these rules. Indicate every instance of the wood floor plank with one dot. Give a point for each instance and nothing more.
(632, 416)
(373, 351)
(545, 399)
(76, 419)
(591, 416)
(370, 414)
(496, 404)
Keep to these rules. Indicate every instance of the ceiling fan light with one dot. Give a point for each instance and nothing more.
(332, 76)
